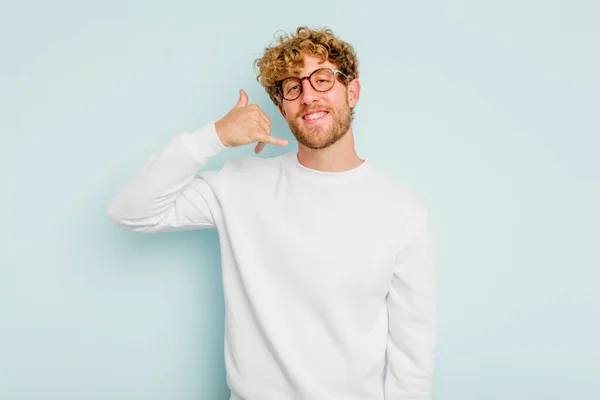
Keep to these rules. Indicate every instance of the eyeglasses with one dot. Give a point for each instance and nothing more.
(322, 80)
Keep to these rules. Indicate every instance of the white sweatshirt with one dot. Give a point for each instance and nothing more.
(325, 274)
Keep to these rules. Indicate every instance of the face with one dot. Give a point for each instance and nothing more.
(320, 119)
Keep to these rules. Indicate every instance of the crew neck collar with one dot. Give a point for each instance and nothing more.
(328, 177)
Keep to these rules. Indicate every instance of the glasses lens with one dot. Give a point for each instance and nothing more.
(291, 88)
(322, 79)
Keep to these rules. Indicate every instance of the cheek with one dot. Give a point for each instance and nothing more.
(340, 99)
(292, 112)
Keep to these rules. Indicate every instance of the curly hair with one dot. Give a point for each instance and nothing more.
(280, 60)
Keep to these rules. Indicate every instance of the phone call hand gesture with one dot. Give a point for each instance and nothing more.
(245, 124)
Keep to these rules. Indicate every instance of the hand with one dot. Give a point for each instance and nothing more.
(246, 124)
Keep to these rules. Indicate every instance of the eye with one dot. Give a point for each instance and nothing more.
(292, 88)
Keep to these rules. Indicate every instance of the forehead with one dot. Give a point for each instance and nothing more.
(311, 63)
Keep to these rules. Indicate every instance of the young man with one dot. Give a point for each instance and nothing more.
(327, 263)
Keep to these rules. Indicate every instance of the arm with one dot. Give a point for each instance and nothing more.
(167, 195)
(411, 303)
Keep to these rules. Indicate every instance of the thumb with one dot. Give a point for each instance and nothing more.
(243, 101)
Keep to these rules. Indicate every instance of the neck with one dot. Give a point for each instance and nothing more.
(339, 157)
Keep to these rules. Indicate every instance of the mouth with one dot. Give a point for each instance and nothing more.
(313, 116)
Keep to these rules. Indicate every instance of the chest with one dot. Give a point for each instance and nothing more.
(326, 245)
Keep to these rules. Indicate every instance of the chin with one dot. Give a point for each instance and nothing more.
(320, 135)
(317, 140)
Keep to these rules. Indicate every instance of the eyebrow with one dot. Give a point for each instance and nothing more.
(297, 72)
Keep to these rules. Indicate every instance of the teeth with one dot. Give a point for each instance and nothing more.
(314, 116)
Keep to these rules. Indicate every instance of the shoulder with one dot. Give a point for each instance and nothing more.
(405, 206)
(396, 193)
(249, 172)
(254, 165)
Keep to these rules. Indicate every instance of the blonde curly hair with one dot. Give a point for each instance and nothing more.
(280, 60)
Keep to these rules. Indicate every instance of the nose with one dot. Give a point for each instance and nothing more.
(309, 94)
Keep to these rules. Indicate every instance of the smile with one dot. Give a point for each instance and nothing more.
(313, 116)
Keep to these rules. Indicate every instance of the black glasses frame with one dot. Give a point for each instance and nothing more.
(334, 71)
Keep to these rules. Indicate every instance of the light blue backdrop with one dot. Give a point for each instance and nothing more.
(489, 110)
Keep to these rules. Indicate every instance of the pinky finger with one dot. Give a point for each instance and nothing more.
(274, 141)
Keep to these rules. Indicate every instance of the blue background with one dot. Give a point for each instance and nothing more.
(488, 110)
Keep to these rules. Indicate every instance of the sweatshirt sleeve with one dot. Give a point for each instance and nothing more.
(168, 194)
(411, 303)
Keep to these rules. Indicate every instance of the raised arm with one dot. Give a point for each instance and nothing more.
(168, 194)
(411, 302)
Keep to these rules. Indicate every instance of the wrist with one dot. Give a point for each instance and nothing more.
(219, 130)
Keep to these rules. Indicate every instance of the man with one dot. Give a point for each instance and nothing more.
(327, 263)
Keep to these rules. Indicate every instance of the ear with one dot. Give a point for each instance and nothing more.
(353, 92)
(281, 110)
